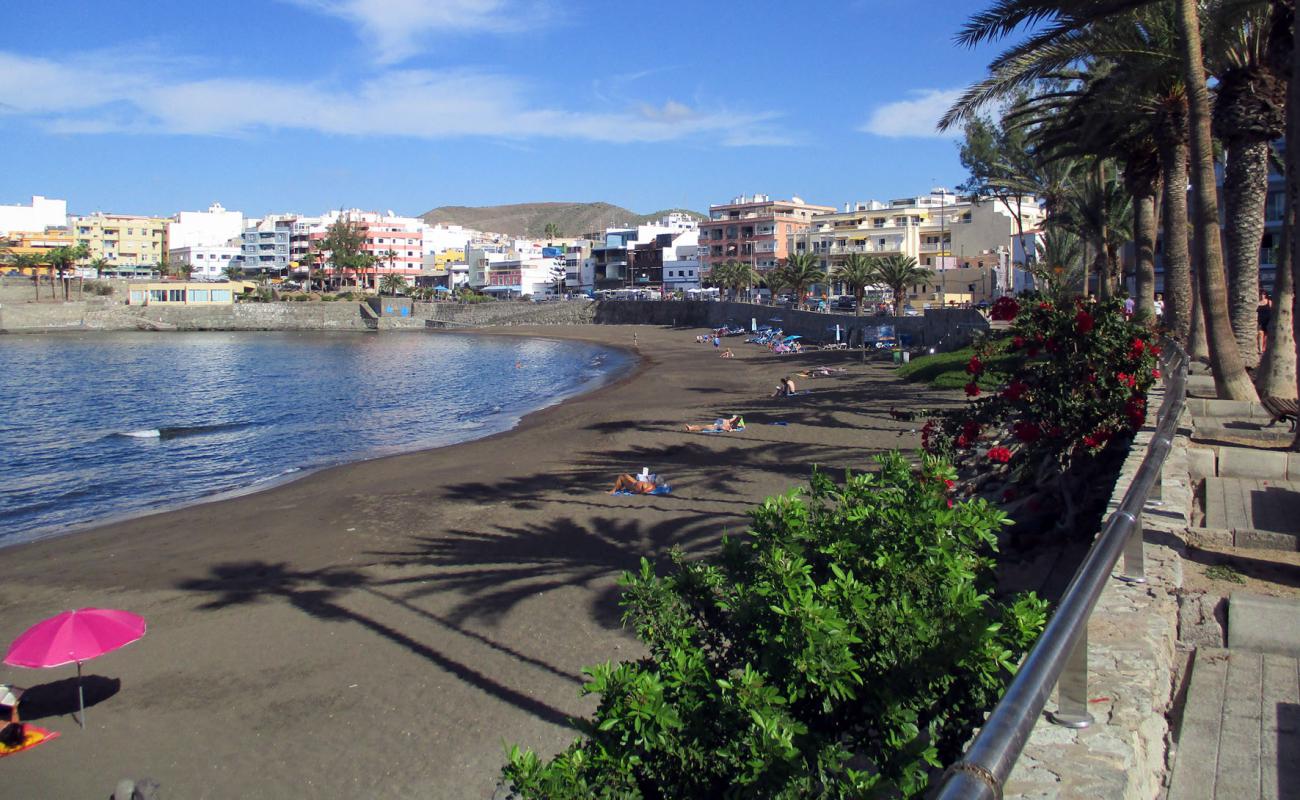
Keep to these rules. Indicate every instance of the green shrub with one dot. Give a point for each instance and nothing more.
(300, 298)
(100, 288)
(845, 647)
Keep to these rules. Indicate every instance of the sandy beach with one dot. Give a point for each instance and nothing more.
(383, 629)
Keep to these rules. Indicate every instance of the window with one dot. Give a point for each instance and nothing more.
(221, 295)
(176, 295)
(199, 295)
(158, 295)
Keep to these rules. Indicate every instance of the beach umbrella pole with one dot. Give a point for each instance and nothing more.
(81, 699)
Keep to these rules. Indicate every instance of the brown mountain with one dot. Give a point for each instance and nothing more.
(531, 219)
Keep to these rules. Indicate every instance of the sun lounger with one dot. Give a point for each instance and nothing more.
(1280, 409)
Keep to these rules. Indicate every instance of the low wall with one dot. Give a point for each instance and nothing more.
(942, 329)
(104, 315)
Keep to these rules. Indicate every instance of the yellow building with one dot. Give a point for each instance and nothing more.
(182, 294)
(34, 243)
(129, 243)
(441, 260)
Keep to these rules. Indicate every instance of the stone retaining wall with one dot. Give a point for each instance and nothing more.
(1132, 639)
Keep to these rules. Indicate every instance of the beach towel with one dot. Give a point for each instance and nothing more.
(32, 736)
(778, 422)
(662, 488)
(720, 430)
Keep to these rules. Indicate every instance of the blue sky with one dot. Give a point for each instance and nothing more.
(304, 105)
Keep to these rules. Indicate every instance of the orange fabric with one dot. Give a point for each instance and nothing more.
(32, 736)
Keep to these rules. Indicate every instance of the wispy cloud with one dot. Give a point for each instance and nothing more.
(399, 29)
(87, 96)
(915, 117)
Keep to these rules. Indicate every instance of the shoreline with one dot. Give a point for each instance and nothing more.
(290, 476)
(380, 628)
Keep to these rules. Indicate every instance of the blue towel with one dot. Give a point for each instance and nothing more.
(718, 430)
(662, 488)
(778, 423)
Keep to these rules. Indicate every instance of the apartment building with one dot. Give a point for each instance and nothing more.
(41, 213)
(941, 230)
(34, 243)
(205, 262)
(612, 256)
(130, 244)
(216, 226)
(756, 229)
(264, 245)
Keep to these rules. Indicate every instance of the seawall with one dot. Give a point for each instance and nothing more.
(942, 329)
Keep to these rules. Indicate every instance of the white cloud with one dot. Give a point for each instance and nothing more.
(87, 97)
(914, 118)
(397, 29)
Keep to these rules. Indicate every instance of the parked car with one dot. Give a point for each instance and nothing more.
(909, 311)
(846, 303)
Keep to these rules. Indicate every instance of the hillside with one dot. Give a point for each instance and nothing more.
(531, 219)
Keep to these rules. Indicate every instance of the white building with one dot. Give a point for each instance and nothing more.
(42, 213)
(441, 238)
(205, 262)
(216, 226)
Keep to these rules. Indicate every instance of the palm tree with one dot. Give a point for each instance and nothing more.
(1249, 114)
(392, 283)
(1059, 262)
(857, 273)
(551, 232)
(233, 272)
(900, 273)
(1054, 24)
(801, 272)
(62, 259)
(33, 261)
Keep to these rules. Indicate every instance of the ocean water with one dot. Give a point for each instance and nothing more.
(98, 426)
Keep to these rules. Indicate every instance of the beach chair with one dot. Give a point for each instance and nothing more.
(1280, 409)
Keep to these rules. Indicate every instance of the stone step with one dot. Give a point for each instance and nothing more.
(1240, 732)
(1252, 504)
(1261, 624)
(1255, 432)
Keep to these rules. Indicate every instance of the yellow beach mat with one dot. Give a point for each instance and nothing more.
(32, 736)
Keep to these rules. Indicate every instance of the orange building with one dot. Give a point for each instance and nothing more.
(35, 243)
(754, 229)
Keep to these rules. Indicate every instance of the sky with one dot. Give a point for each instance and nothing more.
(268, 106)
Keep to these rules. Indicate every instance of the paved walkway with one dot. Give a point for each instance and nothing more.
(1240, 732)
(1253, 504)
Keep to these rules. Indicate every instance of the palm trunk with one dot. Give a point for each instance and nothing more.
(1230, 378)
(1293, 186)
(1245, 189)
(1178, 280)
(1144, 239)
(1197, 346)
(1277, 370)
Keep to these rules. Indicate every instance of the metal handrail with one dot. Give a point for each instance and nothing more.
(1061, 653)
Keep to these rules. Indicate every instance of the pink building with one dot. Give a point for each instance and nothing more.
(754, 230)
(398, 249)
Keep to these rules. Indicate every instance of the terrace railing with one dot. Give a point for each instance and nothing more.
(1061, 655)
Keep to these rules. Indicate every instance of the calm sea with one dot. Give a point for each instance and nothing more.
(98, 426)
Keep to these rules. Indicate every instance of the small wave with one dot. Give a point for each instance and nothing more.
(178, 431)
(152, 433)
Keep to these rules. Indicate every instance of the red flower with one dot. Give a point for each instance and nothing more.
(1015, 390)
(1004, 309)
(1155, 373)
(963, 441)
(1045, 306)
(1155, 350)
(1027, 431)
(1125, 379)
(999, 454)
(1092, 377)
(1136, 409)
(1017, 342)
(972, 390)
(1137, 347)
(974, 366)
(949, 502)
(1083, 321)
(1097, 438)
(948, 483)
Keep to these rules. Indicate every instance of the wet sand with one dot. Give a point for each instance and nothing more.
(383, 629)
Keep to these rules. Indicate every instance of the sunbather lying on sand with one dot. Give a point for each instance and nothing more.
(630, 483)
(727, 353)
(736, 423)
(822, 372)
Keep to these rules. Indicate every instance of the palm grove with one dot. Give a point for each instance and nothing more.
(1108, 110)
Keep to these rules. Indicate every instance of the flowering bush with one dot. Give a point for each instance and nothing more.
(1079, 384)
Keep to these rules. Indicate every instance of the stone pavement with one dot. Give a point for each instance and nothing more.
(1254, 506)
(1240, 732)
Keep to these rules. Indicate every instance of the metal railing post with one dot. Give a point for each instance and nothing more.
(1135, 556)
(1072, 688)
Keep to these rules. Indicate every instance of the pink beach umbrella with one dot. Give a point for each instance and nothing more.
(75, 636)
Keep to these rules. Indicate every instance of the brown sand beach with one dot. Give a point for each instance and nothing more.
(382, 629)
